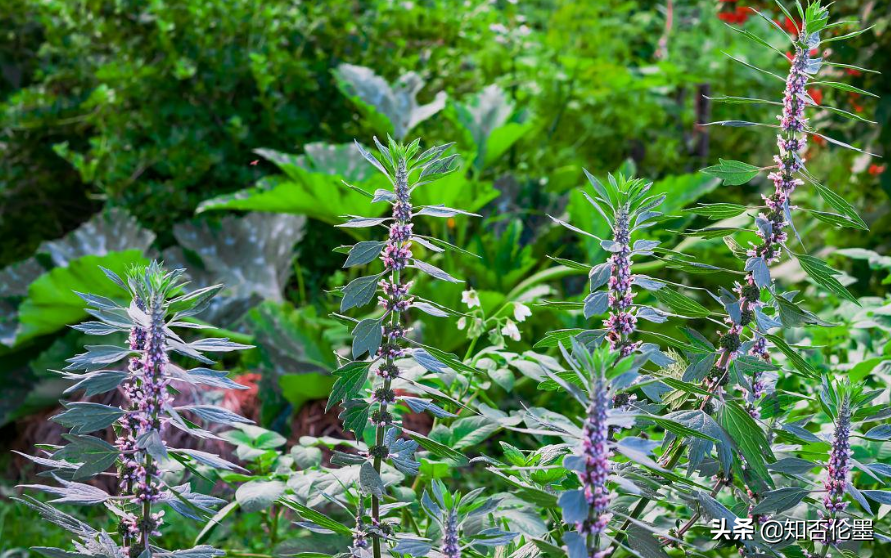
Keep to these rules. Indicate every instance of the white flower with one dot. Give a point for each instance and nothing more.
(510, 330)
(521, 311)
(462, 323)
(470, 298)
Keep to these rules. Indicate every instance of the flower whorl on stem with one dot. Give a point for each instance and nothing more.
(596, 452)
(839, 461)
(621, 321)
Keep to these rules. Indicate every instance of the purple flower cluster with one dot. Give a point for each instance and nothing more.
(621, 321)
(595, 449)
(147, 394)
(839, 462)
(789, 163)
(450, 543)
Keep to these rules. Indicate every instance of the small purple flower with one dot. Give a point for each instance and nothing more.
(595, 449)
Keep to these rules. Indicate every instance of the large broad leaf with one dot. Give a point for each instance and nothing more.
(295, 357)
(490, 124)
(389, 108)
(312, 185)
(112, 230)
(250, 255)
(51, 303)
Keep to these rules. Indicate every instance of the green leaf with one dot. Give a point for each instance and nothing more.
(51, 303)
(755, 38)
(797, 361)
(823, 275)
(839, 204)
(355, 415)
(258, 495)
(364, 252)
(834, 219)
(680, 303)
(436, 448)
(359, 292)
(470, 431)
(84, 418)
(780, 500)
(732, 173)
(318, 518)
(370, 480)
(350, 379)
(749, 439)
(297, 389)
(367, 337)
(717, 211)
(843, 87)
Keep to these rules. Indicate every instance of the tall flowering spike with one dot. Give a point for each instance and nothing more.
(595, 450)
(385, 339)
(621, 321)
(839, 461)
(140, 454)
(625, 205)
(775, 217)
(451, 547)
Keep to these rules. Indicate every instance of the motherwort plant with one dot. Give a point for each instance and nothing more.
(140, 455)
(774, 220)
(385, 336)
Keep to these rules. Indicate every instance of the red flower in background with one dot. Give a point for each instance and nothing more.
(816, 95)
(735, 17)
(789, 25)
(876, 170)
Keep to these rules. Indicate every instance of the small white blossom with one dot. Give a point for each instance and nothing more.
(510, 330)
(470, 298)
(521, 311)
(462, 323)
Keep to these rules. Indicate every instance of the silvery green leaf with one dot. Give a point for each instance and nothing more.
(93, 454)
(218, 345)
(98, 328)
(215, 415)
(699, 448)
(204, 376)
(427, 244)
(359, 292)
(599, 275)
(880, 496)
(364, 252)
(210, 459)
(611, 245)
(258, 495)
(596, 304)
(734, 311)
(364, 222)
(413, 547)
(780, 500)
(370, 480)
(857, 495)
(192, 505)
(651, 315)
(647, 283)
(94, 383)
(65, 521)
(765, 322)
(792, 466)
(97, 356)
(493, 536)
(428, 308)
(59, 553)
(72, 493)
(371, 158)
(383, 195)
(151, 442)
(435, 272)
(576, 547)
(428, 361)
(574, 506)
(306, 457)
(645, 246)
(443, 211)
(402, 453)
(422, 405)
(760, 271)
(367, 337)
(341, 458)
(202, 551)
(83, 418)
